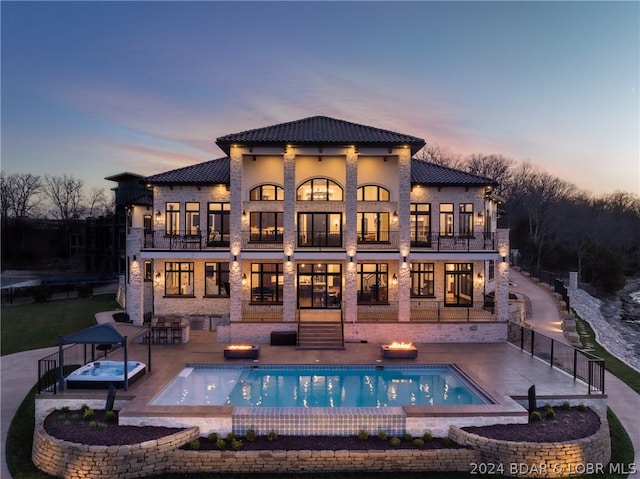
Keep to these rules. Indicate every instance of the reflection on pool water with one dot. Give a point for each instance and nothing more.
(321, 386)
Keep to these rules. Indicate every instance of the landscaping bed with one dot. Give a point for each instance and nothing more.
(99, 428)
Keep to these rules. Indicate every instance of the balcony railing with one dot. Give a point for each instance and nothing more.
(579, 364)
(435, 242)
(273, 240)
(160, 239)
(262, 312)
(425, 311)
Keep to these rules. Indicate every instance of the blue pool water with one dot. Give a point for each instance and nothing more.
(320, 386)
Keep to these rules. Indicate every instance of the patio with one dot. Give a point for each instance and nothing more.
(500, 369)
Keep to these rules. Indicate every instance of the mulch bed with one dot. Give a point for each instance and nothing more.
(567, 424)
(562, 425)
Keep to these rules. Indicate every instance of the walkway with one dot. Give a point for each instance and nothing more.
(545, 317)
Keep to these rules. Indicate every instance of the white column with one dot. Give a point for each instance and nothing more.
(502, 275)
(235, 233)
(133, 280)
(289, 235)
(350, 296)
(404, 229)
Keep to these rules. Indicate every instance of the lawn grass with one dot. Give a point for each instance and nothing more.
(38, 325)
(612, 364)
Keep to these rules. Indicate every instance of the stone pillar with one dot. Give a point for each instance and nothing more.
(134, 277)
(573, 282)
(404, 234)
(289, 235)
(350, 294)
(502, 275)
(235, 233)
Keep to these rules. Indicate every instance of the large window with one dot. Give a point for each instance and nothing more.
(458, 284)
(320, 229)
(216, 279)
(421, 224)
(319, 189)
(446, 219)
(266, 226)
(319, 285)
(466, 219)
(218, 224)
(422, 284)
(266, 282)
(372, 283)
(172, 217)
(373, 193)
(373, 227)
(267, 193)
(192, 219)
(178, 279)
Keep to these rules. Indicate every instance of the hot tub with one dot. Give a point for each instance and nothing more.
(100, 374)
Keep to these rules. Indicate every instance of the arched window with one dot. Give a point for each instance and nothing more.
(267, 193)
(319, 189)
(373, 193)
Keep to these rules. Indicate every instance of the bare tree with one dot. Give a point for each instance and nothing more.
(96, 201)
(440, 155)
(65, 193)
(20, 194)
(496, 167)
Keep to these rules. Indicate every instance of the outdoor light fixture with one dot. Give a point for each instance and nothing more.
(135, 257)
(158, 277)
(244, 215)
(244, 280)
(350, 259)
(404, 259)
(394, 280)
(394, 217)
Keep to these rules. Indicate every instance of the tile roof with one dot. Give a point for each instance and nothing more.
(320, 130)
(207, 173)
(427, 173)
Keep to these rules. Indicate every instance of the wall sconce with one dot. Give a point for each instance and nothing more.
(244, 216)
(158, 278)
(235, 258)
(479, 280)
(404, 259)
(158, 217)
(288, 258)
(394, 217)
(135, 258)
(350, 259)
(244, 280)
(504, 259)
(394, 279)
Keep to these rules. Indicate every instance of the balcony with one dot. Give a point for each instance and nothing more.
(273, 240)
(435, 242)
(425, 311)
(160, 239)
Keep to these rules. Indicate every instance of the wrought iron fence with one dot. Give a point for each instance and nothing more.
(580, 364)
(73, 357)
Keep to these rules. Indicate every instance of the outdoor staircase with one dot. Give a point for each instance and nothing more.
(320, 335)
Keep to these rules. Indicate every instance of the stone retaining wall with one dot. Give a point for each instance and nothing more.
(75, 461)
(531, 459)
(519, 459)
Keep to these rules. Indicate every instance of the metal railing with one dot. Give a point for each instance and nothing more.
(438, 311)
(437, 242)
(73, 357)
(160, 239)
(580, 364)
(262, 312)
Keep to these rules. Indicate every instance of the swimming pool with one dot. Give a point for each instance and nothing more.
(317, 386)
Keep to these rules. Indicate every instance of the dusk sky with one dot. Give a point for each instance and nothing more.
(96, 89)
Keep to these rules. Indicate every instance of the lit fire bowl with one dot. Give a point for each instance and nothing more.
(399, 351)
(241, 351)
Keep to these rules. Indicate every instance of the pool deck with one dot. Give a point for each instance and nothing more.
(499, 369)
